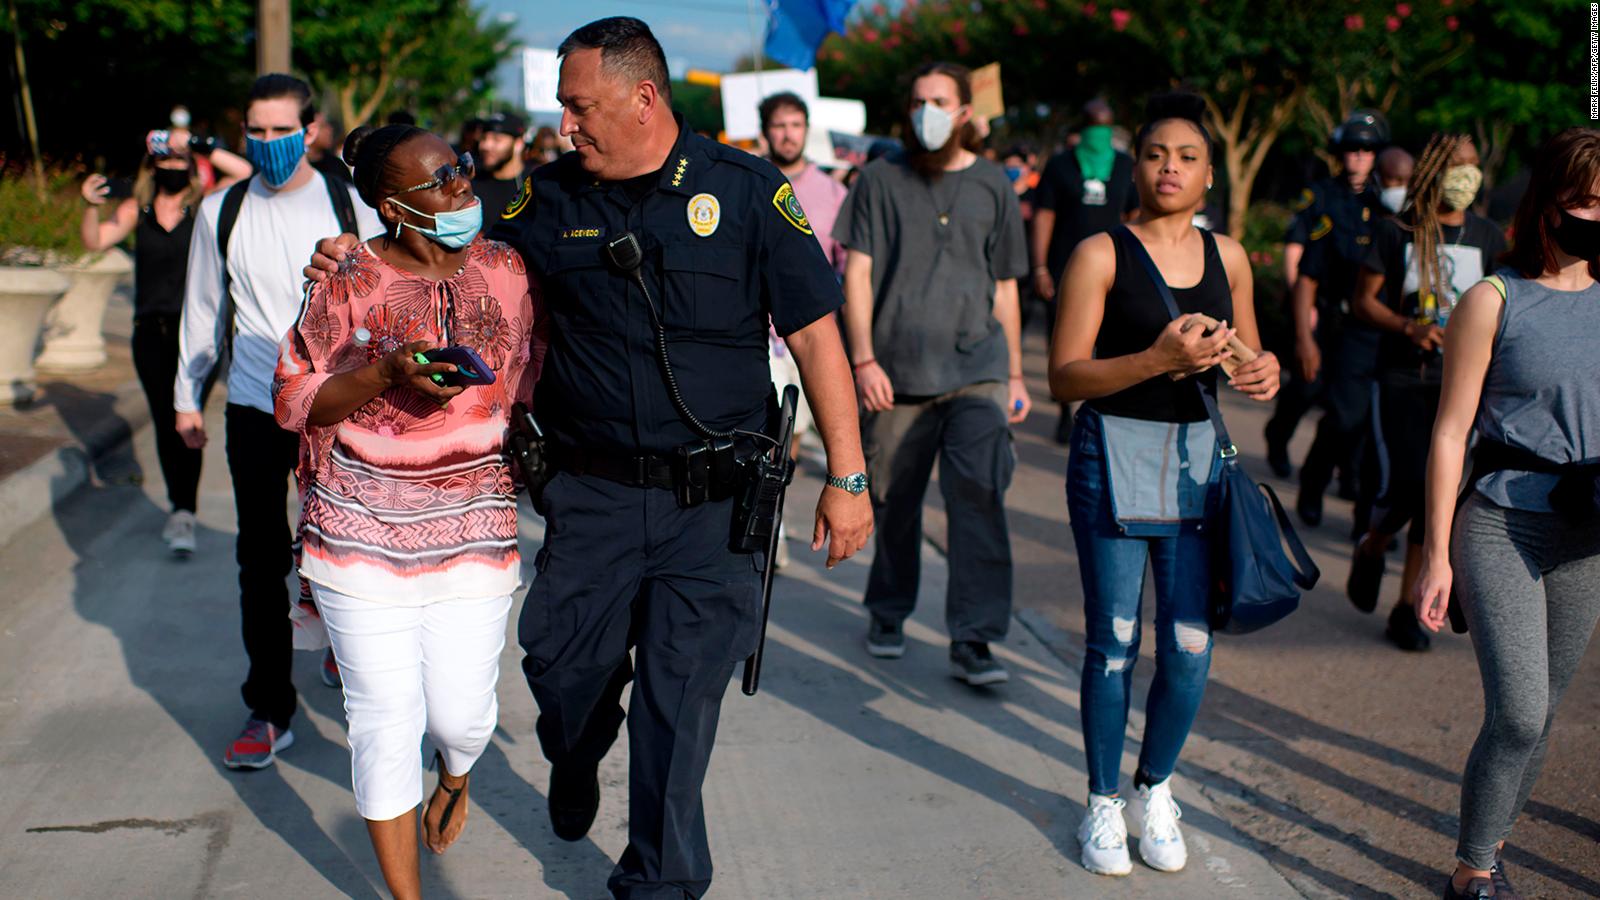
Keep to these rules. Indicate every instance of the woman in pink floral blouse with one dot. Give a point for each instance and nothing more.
(409, 507)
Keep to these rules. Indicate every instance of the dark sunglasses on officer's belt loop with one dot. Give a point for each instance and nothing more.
(443, 176)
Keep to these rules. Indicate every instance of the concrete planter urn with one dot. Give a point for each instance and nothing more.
(26, 295)
(72, 338)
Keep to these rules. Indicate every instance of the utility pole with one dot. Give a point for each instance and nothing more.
(272, 36)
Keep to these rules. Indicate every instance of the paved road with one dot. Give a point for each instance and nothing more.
(846, 777)
(1336, 756)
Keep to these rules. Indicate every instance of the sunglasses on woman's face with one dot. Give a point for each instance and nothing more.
(446, 175)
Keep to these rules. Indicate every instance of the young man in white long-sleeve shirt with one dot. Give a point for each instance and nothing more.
(286, 205)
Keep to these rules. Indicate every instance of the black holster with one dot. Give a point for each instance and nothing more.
(529, 451)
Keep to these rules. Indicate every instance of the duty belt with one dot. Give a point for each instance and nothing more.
(633, 470)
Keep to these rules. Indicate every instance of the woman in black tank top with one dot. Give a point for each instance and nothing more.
(1143, 457)
(160, 215)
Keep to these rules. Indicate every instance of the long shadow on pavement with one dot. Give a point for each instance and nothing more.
(174, 653)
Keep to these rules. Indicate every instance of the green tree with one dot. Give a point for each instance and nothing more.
(1521, 83)
(400, 54)
(106, 71)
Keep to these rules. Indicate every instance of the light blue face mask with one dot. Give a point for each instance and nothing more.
(278, 158)
(454, 229)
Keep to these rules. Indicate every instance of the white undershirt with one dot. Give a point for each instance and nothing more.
(272, 241)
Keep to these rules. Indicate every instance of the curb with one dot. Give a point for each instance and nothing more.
(33, 491)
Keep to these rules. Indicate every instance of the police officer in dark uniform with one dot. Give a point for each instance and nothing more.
(1326, 241)
(626, 563)
(636, 555)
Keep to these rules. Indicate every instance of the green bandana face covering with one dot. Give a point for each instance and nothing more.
(1095, 154)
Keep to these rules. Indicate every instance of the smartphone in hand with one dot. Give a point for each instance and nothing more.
(471, 370)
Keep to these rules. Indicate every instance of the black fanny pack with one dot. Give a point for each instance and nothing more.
(1574, 494)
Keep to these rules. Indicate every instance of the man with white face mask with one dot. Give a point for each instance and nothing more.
(241, 295)
(931, 312)
(1395, 166)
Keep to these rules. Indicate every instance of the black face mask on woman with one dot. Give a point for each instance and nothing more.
(1578, 237)
(172, 181)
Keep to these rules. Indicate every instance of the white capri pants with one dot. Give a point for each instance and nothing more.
(409, 670)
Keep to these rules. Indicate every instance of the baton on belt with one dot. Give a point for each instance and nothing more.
(774, 472)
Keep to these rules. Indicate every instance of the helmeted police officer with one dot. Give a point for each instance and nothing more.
(634, 556)
(1328, 237)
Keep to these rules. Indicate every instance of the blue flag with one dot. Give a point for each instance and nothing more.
(796, 28)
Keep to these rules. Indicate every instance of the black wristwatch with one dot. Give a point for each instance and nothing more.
(855, 483)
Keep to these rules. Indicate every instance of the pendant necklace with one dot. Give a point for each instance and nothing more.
(944, 214)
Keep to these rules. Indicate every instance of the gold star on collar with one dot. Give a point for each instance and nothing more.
(677, 177)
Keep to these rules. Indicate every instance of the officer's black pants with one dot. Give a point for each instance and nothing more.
(1349, 365)
(966, 432)
(626, 567)
(261, 457)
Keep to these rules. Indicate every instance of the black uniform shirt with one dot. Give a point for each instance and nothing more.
(1336, 225)
(726, 247)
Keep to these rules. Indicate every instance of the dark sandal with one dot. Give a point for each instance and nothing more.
(455, 793)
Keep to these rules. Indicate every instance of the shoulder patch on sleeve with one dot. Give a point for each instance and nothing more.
(1322, 228)
(1304, 201)
(524, 194)
(789, 205)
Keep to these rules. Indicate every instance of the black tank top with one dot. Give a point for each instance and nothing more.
(1133, 319)
(161, 263)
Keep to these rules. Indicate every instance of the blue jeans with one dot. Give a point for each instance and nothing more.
(1113, 566)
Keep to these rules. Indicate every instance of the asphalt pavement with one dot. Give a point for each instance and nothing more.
(1325, 762)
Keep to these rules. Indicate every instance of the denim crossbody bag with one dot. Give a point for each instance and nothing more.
(1159, 473)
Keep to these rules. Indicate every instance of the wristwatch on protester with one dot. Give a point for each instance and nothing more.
(854, 483)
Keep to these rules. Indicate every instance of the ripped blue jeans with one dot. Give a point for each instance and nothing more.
(1113, 565)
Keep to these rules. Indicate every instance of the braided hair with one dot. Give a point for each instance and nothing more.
(1421, 215)
(367, 151)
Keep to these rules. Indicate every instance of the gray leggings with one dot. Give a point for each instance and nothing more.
(1530, 587)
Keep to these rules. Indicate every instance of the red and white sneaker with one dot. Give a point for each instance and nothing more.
(257, 746)
(330, 670)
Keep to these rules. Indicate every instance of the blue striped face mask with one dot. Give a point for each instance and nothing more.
(278, 158)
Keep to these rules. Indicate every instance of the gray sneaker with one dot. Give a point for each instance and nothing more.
(179, 534)
(885, 640)
(970, 662)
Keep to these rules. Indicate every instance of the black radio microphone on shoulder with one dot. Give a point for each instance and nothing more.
(625, 252)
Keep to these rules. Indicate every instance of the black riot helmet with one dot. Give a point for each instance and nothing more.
(1365, 129)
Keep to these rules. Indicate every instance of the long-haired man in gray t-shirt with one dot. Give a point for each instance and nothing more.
(936, 246)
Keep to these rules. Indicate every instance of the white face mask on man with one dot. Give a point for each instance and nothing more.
(1393, 198)
(933, 126)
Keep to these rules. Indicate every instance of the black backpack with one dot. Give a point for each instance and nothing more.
(338, 194)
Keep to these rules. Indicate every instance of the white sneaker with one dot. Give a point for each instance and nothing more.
(1104, 837)
(179, 533)
(1160, 841)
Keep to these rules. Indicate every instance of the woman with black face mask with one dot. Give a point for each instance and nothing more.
(1521, 549)
(160, 214)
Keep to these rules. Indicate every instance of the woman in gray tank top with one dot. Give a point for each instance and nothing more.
(1522, 549)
